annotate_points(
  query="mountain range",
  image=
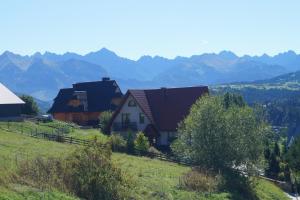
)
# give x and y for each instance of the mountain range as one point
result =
(42, 75)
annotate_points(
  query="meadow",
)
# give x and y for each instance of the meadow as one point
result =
(152, 179)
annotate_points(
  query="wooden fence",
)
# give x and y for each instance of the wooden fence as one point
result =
(62, 138)
(58, 136)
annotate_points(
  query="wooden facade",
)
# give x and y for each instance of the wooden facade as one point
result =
(84, 102)
(80, 118)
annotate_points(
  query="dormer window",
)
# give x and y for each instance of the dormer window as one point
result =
(131, 103)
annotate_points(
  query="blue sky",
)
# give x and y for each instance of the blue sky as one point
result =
(133, 28)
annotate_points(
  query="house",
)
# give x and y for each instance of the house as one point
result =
(10, 104)
(84, 102)
(155, 112)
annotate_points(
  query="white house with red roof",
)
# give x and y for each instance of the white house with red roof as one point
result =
(155, 112)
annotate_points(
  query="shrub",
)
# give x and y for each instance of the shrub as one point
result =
(130, 142)
(141, 142)
(104, 120)
(30, 107)
(43, 172)
(88, 173)
(200, 180)
(236, 183)
(117, 142)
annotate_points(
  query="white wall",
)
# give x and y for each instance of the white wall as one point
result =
(134, 115)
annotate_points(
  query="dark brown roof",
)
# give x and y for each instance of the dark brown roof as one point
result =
(166, 107)
(99, 97)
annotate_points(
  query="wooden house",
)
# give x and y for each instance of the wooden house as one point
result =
(84, 102)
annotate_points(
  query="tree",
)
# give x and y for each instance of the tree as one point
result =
(104, 120)
(233, 99)
(277, 150)
(30, 107)
(217, 136)
(293, 155)
(274, 166)
(130, 142)
(141, 142)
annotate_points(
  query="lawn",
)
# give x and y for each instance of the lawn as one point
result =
(153, 179)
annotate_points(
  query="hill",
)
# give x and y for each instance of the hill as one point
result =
(279, 95)
(279, 87)
(42, 75)
(154, 179)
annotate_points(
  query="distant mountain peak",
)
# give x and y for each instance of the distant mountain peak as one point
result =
(289, 53)
(228, 54)
(105, 51)
(8, 53)
(145, 58)
(37, 55)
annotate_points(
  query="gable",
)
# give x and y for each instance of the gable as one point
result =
(134, 111)
(8, 97)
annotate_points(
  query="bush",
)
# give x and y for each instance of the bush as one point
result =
(141, 142)
(44, 173)
(130, 142)
(30, 107)
(200, 180)
(117, 142)
(104, 120)
(88, 173)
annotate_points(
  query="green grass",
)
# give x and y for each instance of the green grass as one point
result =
(54, 127)
(153, 179)
(14, 148)
(268, 191)
(19, 192)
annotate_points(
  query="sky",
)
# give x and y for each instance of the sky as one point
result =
(133, 28)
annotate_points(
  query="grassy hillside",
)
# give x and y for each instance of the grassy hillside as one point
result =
(153, 179)
(54, 127)
(16, 147)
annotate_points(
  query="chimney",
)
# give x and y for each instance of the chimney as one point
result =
(105, 79)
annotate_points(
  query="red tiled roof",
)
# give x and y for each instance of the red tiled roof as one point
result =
(166, 107)
(169, 106)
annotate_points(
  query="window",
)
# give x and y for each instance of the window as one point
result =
(125, 118)
(131, 103)
(142, 118)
